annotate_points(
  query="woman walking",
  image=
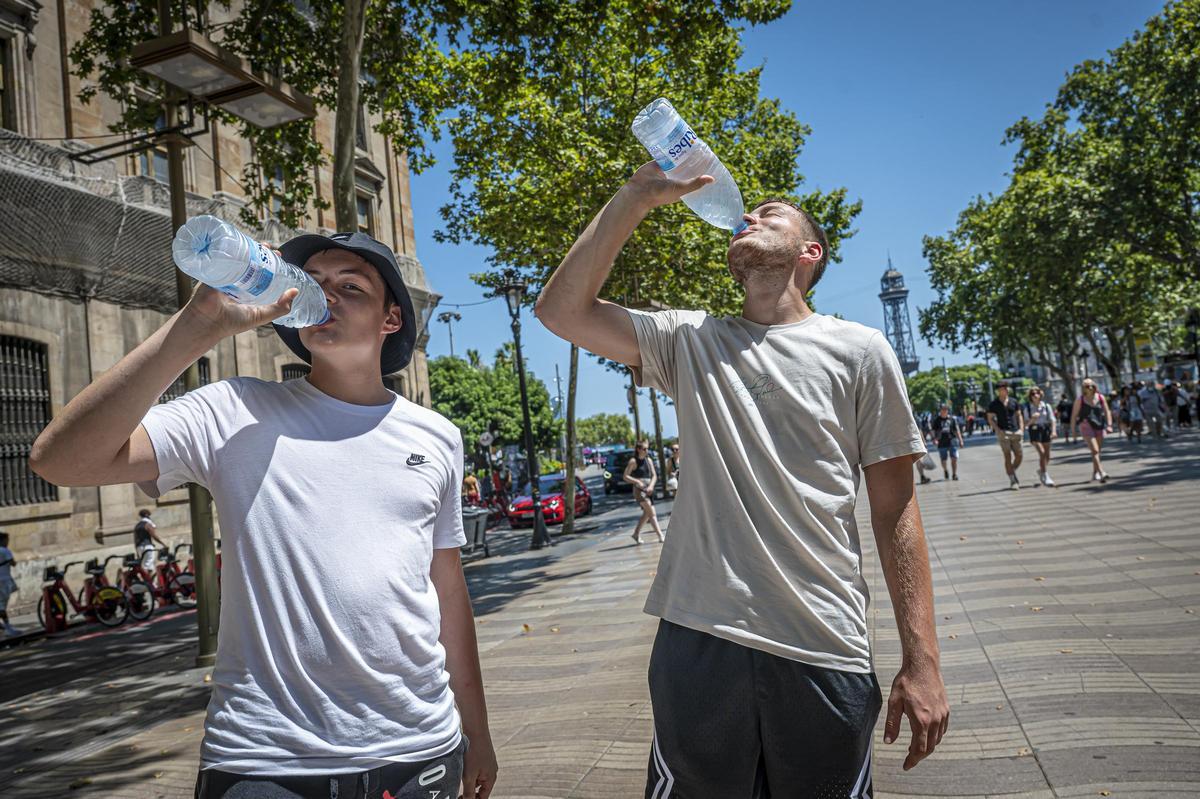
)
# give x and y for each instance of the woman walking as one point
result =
(1040, 421)
(1131, 409)
(639, 473)
(1092, 418)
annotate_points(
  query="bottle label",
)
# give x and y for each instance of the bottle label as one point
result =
(255, 280)
(675, 147)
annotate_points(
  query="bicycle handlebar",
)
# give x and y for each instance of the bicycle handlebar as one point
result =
(67, 568)
(181, 546)
(110, 557)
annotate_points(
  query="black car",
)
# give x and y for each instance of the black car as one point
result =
(614, 471)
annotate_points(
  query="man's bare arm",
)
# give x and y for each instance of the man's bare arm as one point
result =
(570, 304)
(462, 664)
(917, 691)
(97, 439)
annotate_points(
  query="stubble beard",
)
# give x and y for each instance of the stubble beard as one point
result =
(757, 258)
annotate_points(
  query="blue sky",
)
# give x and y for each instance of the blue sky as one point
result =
(908, 103)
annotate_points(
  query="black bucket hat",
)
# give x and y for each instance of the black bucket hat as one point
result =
(397, 347)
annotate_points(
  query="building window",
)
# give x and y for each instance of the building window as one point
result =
(24, 413)
(366, 216)
(360, 130)
(177, 388)
(292, 371)
(7, 114)
(275, 181)
(153, 163)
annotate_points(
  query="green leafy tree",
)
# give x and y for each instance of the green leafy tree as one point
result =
(605, 428)
(542, 140)
(382, 55)
(488, 399)
(927, 390)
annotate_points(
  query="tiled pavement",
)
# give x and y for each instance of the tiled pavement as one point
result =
(1067, 620)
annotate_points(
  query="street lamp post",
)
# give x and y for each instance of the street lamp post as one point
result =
(450, 317)
(514, 292)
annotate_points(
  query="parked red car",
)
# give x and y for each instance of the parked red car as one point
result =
(551, 486)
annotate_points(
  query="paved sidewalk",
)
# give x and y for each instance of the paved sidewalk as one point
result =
(1067, 619)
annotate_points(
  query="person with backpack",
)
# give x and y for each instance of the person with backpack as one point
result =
(145, 536)
(1092, 417)
(949, 436)
(1040, 422)
(1064, 416)
(1004, 416)
(347, 663)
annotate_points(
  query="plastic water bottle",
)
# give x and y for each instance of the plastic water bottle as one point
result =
(219, 255)
(684, 156)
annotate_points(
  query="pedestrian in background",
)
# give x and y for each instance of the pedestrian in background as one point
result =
(949, 438)
(1131, 409)
(640, 473)
(1183, 406)
(1004, 416)
(1093, 418)
(1064, 416)
(145, 535)
(1040, 421)
(673, 470)
(1153, 407)
(8, 586)
(1170, 398)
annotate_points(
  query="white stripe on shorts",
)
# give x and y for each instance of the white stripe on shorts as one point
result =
(862, 784)
(665, 780)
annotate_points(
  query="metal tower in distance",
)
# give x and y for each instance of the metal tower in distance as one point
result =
(896, 325)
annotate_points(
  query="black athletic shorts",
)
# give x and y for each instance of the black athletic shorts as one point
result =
(1039, 435)
(440, 777)
(732, 722)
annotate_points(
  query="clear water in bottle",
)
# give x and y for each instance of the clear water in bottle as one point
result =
(684, 156)
(219, 255)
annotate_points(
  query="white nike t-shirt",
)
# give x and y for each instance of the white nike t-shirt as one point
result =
(328, 656)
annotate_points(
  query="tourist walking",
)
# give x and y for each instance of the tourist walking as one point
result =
(1042, 426)
(336, 495)
(1092, 417)
(1153, 408)
(1004, 416)
(1131, 411)
(641, 474)
(1064, 416)
(761, 676)
(145, 536)
(1183, 406)
(8, 586)
(949, 437)
(673, 470)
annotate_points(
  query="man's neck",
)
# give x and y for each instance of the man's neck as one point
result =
(354, 383)
(775, 299)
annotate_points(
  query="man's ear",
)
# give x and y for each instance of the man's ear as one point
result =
(394, 319)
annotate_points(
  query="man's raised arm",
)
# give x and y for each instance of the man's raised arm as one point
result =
(569, 305)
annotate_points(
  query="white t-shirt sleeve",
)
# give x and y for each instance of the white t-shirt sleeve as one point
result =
(448, 526)
(184, 433)
(886, 427)
(656, 334)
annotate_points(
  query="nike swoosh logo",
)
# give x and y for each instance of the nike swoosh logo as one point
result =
(417, 460)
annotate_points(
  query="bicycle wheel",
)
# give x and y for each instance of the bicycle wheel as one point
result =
(109, 606)
(59, 611)
(182, 588)
(139, 596)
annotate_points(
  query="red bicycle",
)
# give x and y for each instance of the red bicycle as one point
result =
(106, 604)
(173, 583)
(139, 593)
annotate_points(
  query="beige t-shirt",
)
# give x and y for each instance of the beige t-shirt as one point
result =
(778, 421)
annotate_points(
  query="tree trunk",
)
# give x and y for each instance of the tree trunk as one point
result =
(1113, 367)
(569, 456)
(345, 206)
(658, 447)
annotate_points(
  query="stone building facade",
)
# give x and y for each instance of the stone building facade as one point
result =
(86, 275)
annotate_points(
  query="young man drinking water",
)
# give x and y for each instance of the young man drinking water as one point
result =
(346, 635)
(761, 676)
